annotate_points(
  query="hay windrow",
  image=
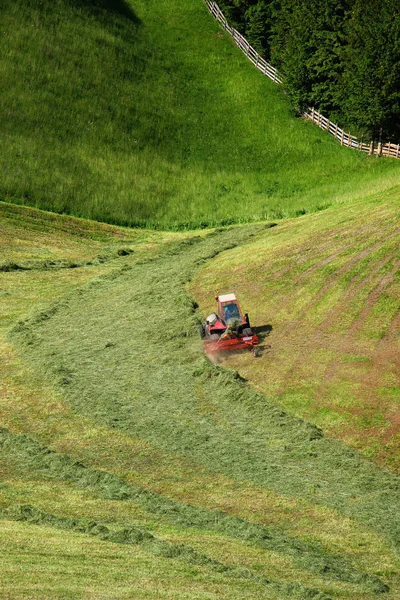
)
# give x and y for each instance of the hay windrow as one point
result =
(51, 465)
(153, 373)
(154, 545)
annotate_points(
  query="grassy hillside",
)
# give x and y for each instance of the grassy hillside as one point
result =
(325, 289)
(143, 112)
(134, 467)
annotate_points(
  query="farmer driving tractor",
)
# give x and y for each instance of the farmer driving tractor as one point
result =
(231, 330)
(231, 313)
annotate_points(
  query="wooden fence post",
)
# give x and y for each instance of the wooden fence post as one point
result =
(371, 148)
(380, 143)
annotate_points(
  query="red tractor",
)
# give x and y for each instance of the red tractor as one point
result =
(228, 328)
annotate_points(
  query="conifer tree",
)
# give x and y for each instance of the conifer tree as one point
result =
(341, 56)
(371, 84)
(308, 38)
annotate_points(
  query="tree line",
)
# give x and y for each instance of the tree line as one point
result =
(341, 56)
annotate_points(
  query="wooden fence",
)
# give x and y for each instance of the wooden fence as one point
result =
(392, 150)
(243, 44)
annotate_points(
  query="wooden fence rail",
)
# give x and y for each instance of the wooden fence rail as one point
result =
(243, 44)
(392, 150)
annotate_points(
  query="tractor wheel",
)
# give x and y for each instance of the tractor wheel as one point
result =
(202, 332)
(255, 351)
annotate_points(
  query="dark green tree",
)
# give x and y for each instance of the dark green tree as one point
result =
(252, 19)
(234, 11)
(258, 26)
(308, 38)
(371, 83)
(341, 56)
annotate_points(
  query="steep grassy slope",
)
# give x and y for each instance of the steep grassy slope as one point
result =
(143, 112)
(133, 466)
(325, 289)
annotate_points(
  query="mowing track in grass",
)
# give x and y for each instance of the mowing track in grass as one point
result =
(124, 351)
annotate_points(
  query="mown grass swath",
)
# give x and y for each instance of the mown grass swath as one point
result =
(145, 114)
(77, 354)
(311, 557)
(138, 328)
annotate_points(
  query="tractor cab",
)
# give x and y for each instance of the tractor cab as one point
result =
(229, 310)
(228, 315)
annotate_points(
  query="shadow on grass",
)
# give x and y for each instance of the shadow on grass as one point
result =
(263, 331)
(116, 7)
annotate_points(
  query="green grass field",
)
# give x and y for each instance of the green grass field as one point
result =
(145, 113)
(133, 467)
